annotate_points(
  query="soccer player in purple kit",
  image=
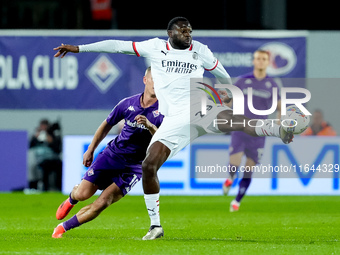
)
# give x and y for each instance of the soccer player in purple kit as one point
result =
(242, 143)
(119, 166)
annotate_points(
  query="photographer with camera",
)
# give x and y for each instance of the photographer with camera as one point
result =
(45, 172)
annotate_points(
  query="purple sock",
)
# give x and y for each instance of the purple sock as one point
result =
(244, 184)
(232, 170)
(71, 223)
(73, 201)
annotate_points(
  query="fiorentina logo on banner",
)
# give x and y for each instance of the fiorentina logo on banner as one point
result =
(103, 73)
(282, 58)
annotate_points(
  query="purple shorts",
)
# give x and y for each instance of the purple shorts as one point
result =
(252, 146)
(110, 168)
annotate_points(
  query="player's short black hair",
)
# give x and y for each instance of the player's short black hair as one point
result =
(175, 20)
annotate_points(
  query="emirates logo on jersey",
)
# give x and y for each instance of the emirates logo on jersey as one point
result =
(103, 73)
(175, 66)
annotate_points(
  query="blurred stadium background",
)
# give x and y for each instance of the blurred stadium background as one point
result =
(79, 91)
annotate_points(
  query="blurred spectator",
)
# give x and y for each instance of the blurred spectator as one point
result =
(103, 16)
(319, 126)
(45, 172)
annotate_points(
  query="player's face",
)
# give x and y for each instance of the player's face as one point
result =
(180, 35)
(149, 84)
(261, 60)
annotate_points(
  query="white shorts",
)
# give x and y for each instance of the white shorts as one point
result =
(178, 131)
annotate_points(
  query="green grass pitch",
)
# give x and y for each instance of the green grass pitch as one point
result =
(192, 225)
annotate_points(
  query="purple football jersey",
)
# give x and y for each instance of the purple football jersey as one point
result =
(132, 142)
(262, 93)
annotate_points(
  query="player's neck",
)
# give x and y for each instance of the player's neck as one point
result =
(175, 46)
(260, 74)
(147, 100)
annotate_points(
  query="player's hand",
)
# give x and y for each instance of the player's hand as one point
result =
(141, 119)
(224, 96)
(64, 48)
(87, 158)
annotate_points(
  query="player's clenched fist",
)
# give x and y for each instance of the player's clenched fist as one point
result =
(87, 158)
(64, 48)
(141, 119)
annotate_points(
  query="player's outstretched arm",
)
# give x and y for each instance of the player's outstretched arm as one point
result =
(141, 119)
(100, 134)
(106, 46)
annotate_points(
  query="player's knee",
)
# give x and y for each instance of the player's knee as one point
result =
(81, 195)
(149, 169)
(75, 188)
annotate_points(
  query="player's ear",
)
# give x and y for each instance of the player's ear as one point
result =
(169, 32)
(144, 80)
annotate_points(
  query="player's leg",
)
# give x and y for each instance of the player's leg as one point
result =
(81, 192)
(109, 196)
(227, 122)
(234, 163)
(92, 180)
(156, 156)
(237, 146)
(253, 152)
(243, 185)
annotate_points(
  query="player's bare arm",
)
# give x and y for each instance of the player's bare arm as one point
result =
(64, 48)
(141, 119)
(100, 134)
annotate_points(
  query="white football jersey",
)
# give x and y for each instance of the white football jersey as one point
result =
(172, 69)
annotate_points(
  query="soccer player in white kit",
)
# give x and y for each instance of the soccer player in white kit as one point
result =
(174, 62)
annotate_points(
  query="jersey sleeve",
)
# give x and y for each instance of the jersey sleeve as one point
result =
(210, 62)
(145, 48)
(108, 46)
(159, 120)
(117, 114)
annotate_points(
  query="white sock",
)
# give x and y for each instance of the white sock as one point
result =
(267, 128)
(152, 204)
